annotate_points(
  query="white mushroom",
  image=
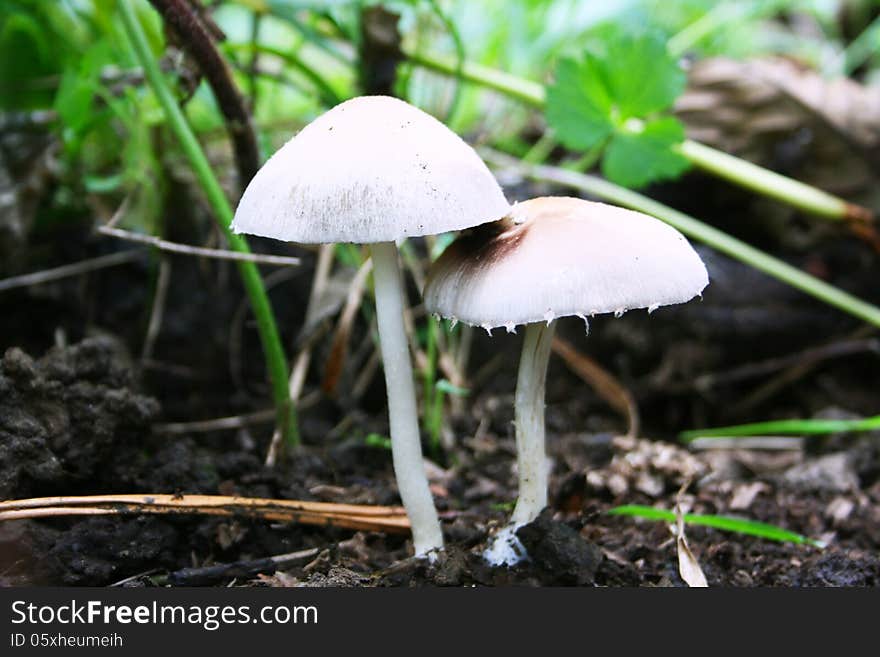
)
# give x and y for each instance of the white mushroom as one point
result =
(374, 170)
(555, 257)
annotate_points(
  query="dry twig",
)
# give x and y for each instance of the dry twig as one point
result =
(231, 422)
(207, 575)
(196, 36)
(67, 271)
(185, 249)
(348, 516)
(157, 311)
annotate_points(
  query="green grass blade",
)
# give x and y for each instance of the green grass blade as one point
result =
(784, 428)
(460, 55)
(329, 95)
(724, 523)
(273, 351)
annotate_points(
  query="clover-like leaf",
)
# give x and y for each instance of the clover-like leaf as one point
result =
(636, 158)
(642, 77)
(578, 104)
(613, 94)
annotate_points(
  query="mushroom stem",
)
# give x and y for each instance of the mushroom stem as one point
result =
(529, 418)
(406, 447)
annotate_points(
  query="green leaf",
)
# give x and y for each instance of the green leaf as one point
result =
(626, 76)
(578, 104)
(77, 91)
(32, 59)
(724, 523)
(636, 158)
(642, 77)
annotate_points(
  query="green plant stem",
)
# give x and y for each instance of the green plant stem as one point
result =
(254, 62)
(430, 371)
(435, 423)
(700, 231)
(586, 161)
(526, 91)
(276, 361)
(432, 396)
(180, 17)
(766, 182)
(460, 56)
(316, 37)
(329, 96)
(541, 149)
(784, 427)
(713, 19)
(738, 171)
(862, 48)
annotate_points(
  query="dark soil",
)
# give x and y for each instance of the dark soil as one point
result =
(81, 413)
(74, 422)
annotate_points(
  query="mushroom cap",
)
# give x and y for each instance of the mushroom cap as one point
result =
(558, 256)
(372, 169)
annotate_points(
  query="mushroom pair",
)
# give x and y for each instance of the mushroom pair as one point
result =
(554, 257)
(374, 170)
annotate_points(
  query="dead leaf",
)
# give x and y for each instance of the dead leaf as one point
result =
(839, 510)
(688, 566)
(339, 349)
(645, 465)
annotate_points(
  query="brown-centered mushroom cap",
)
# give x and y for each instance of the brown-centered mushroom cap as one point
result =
(558, 256)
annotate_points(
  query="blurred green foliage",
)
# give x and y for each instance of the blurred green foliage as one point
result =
(69, 56)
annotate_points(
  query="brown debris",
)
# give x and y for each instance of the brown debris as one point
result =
(646, 466)
(748, 107)
(783, 116)
(833, 472)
